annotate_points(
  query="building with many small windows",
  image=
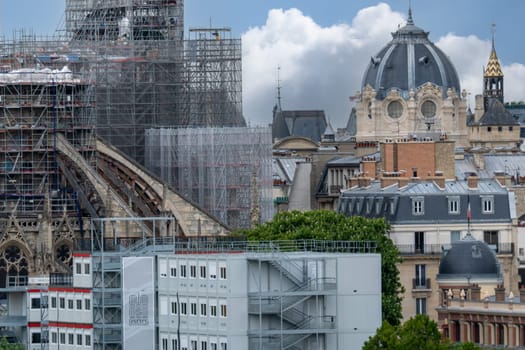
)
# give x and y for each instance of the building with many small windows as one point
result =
(426, 217)
(283, 300)
(172, 294)
(51, 312)
(216, 295)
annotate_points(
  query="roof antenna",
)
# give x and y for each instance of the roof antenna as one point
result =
(410, 20)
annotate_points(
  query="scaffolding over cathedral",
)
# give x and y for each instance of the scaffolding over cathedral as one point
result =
(148, 75)
(225, 170)
(117, 68)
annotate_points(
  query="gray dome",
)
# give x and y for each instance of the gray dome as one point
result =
(469, 257)
(409, 61)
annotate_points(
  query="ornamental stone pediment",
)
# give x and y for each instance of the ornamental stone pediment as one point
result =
(393, 95)
(429, 89)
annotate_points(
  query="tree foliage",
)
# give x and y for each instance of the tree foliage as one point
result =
(5, 345)
(420, 333)
(328, 225)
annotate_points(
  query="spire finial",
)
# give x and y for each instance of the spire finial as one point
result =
(279, 87)
(410, 19)
(493, 30)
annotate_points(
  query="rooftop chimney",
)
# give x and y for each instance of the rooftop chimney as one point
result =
(475, 293)
(439, 179)
(472, 181)
(363, 181)
(500, 293)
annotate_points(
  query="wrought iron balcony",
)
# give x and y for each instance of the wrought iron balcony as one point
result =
(418, 283)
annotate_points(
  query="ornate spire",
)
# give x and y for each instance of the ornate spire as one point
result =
(410, 20)
(493, 67)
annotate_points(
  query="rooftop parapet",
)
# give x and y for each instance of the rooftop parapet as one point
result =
(227, 245)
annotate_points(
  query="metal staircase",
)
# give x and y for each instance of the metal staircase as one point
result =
(286, 308)
(291, 270)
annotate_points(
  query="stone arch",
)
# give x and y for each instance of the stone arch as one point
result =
(15, 261)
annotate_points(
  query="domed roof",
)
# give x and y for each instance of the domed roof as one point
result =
(409, 61)
(469, 258)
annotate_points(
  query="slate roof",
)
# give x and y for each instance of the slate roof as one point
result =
(509, 163)
(284, 168)
(497, 114)
(305, 123)
(409, 61)
(469, 257)
(395, 203)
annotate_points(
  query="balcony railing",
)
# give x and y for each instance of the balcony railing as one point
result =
(412, 249)
(418, 283)
(408, 249)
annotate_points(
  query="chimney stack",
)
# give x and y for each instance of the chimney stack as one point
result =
(475, 293)
(472, 181)
(363, 181)
(500, 293)
(479, 109)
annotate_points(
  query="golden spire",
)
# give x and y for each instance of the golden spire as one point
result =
(493, 67)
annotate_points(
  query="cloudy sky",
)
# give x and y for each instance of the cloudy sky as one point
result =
(323, 47)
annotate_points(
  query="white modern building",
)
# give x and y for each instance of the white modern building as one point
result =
(205, 294)
(51, 312)
(216, 295)
(267, 300)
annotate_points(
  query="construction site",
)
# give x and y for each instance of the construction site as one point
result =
(226, 170)
(120, 126)
(75, 110)
(148, 75)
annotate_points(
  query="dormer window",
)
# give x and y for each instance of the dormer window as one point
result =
(487, 204)
(418, 206)
(453, 205)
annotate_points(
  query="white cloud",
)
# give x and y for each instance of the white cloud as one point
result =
(322, 66)
(470, 55)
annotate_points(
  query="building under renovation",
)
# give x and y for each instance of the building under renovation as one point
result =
(119, 67)
(148, 75)
(225, 170)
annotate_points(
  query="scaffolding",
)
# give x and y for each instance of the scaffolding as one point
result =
(148, 75)
(121, 66)
(213, 76)
(227, 171)
(42, 94)
(108, 250)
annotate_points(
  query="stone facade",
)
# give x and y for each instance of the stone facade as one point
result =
(374, 122)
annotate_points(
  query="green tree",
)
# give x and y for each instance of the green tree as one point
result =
(462, 346)
(386, 337)
(329, 225)
(418, 333)
(5, 345)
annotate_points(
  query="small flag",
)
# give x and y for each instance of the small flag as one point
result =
(469, 214)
